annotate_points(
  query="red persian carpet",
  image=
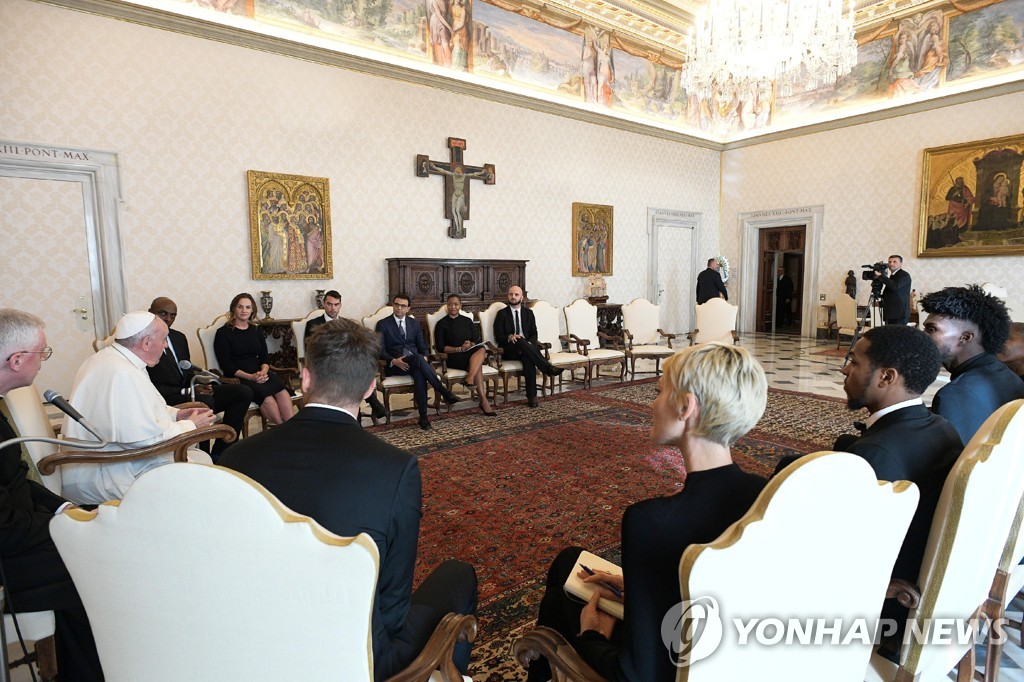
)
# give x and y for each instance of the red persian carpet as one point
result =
(507, 494)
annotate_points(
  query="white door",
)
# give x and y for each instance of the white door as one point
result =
(672, 267)
(46, 269)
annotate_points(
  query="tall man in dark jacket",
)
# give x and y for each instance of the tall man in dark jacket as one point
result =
(710, 284)
(969, 327)
(890, 367)
(35, 576)
(173, 381)
(322, 464)
(515, 330)
(896, 295)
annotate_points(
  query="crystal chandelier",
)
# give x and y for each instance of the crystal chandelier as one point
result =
(737, 42)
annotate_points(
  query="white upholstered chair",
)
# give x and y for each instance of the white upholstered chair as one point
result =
(200, 574)
(779, 561)
(846, 316)
(641, 326)
(969, 535)
(549, 337)
(393, 384)
(100, 344)
(716, 323)
(506, 368)
(581, 327)
(299, 332)
(449, 375)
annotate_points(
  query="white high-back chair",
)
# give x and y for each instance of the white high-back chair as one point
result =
(506, 368)
(779, 561)
(581, 326)
(299, 332)
(846, 316)
(716, 323)
(275, 583)
(641, 325)
(970, 530)
(548, 333)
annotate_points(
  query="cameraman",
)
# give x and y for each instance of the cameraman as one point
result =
(896, 295)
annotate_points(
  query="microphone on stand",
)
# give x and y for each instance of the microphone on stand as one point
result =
(207, 377)
(58, 401)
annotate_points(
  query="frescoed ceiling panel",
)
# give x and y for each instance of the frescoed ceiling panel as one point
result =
(621, 59)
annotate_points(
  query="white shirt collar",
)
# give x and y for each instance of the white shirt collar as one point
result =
(131, 357)
(892, 408)
(333, 407)
(328, 318)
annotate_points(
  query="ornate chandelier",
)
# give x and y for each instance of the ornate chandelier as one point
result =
(736, 42)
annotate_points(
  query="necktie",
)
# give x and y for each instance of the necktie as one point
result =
(519, 330)
(170, 351)
(401, 330)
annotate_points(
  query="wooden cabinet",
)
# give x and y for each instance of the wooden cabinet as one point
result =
(429, 281)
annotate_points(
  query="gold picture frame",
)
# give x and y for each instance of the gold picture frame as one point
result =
(593, 232)
(971, 200)
(289, 226)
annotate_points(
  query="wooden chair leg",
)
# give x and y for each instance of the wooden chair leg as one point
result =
(965, 669)
(46, 659)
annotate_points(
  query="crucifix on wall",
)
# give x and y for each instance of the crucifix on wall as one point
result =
(456, 183)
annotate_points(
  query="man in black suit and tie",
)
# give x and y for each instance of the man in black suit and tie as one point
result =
(783, 298)
(896, 295)
(35, 576)
(332, 310)
(969, 327)
(889, 368)
(172, 380)
(322, 464)
(405, 350)
(710, 284)
(515, 330)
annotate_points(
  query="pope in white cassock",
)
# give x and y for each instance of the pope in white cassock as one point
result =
(113, 392)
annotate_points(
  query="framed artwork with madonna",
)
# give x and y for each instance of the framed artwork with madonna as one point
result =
(289, 226)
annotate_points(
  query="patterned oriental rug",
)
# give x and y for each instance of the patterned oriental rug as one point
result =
(508, 494)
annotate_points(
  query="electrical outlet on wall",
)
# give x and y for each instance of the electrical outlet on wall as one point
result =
(821, 297)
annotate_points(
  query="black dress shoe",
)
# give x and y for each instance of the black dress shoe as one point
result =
(553, 371)
(449, 397)
(492, 413)
(532, 402)
(425, 424)
(376, 407)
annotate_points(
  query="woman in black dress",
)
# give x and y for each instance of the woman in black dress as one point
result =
(455, 335)
(242, 353)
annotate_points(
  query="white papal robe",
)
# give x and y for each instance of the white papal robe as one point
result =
(113, 392)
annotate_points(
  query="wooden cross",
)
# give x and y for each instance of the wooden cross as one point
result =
(456, 183)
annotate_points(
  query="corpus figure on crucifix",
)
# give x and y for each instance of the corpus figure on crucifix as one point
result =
(456, 183)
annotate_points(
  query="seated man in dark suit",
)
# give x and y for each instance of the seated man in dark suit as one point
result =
(515, 330)
(35, 576)
(332, 310)
(405, 350)
(1012, 354)
(322, 464)
(889, 369)
(969, 327)
(172, 379)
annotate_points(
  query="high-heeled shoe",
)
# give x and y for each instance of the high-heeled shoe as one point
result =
(492, 413)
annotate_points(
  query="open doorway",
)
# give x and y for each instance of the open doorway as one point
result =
(780, 279)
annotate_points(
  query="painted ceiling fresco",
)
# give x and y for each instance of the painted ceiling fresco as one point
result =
(623, 64)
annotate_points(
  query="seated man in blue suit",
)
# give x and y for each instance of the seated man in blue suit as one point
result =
(405, 350)
(969, 327)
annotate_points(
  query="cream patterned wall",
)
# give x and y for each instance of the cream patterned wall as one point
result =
(868, 179)
(189, 116)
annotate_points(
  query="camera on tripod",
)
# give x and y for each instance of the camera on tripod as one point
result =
(873, 274)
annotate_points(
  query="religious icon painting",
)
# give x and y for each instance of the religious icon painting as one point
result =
(972, 199)
(289, 226)
(592, 232)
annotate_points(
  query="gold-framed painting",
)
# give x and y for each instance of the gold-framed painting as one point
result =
(289, 226)
(971, 199)
(593, 231)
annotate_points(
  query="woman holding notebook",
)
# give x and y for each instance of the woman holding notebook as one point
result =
(708, 397)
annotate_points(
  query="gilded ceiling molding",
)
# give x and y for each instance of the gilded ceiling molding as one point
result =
(972, 6)
(865, 39)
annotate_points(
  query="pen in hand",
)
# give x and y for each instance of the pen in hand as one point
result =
(611, 588)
